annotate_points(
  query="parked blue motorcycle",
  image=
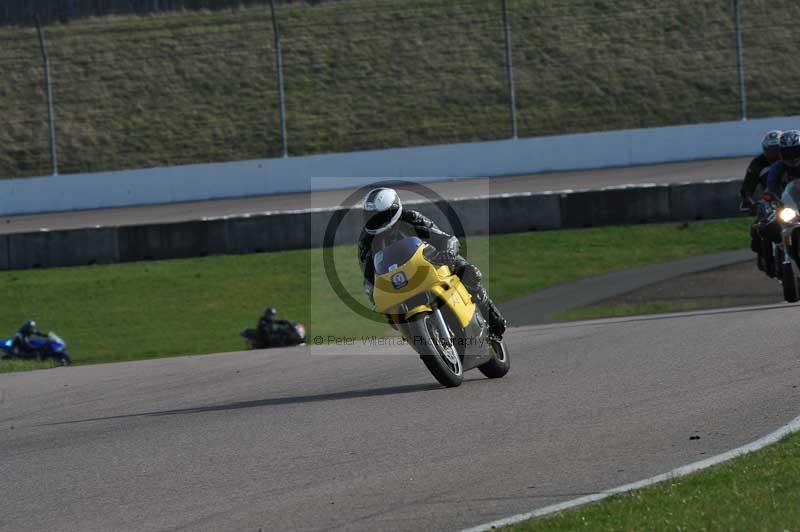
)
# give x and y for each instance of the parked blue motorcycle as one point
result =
(44, 348)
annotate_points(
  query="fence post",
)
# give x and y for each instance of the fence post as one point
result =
(512, 101)
(279, 66)
(48, 87)
(737, 10)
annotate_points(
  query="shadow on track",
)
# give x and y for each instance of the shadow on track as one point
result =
(277, 401)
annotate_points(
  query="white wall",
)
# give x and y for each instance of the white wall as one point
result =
(269, 176)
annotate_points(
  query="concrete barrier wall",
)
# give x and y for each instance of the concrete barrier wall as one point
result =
(4, 252)
(428, 163)
(62, 248)
(623, 205)
(306, 229)
(693, 201)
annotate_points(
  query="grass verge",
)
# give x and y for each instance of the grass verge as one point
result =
(7, 366)
(193, 306)
(759, 491)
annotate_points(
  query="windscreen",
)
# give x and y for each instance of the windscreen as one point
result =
(396, 255)
(791, 195)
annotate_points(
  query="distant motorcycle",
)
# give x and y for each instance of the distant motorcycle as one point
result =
(52, 347)
(789, 216)
(285, 334)
(765, 239)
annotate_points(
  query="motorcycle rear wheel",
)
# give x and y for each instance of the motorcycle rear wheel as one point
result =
(442, 361)
(768, 257)
(500, 363)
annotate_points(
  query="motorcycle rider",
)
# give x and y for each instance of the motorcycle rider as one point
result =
(757, 170)
(788, 168)
(21, 342)
(781, 173)
(385, 222)
(266, 326)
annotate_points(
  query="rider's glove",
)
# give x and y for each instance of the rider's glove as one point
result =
(441, 257)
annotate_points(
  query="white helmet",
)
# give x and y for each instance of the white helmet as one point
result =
(382, 209)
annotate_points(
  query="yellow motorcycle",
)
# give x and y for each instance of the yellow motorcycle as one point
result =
(435, 313)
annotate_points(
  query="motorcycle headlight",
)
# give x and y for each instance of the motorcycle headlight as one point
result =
(788, 214)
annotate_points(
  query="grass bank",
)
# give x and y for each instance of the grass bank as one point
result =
(193, 87)
(759, 491)
(155, 309)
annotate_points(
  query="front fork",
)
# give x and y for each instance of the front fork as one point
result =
(438, 319)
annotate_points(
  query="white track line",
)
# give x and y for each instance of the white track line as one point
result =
(793, 426)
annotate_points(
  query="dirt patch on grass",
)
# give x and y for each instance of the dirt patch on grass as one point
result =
(731, 286)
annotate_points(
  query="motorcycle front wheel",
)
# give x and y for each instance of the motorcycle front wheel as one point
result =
(443, 361)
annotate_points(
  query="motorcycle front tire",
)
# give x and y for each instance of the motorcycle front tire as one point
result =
(419, 336)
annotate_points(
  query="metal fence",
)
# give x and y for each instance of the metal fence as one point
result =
(191, 87)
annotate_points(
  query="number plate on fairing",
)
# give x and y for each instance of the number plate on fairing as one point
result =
(399, 280)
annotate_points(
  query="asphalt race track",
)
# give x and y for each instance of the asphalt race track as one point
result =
(345, 438)
(660, 174)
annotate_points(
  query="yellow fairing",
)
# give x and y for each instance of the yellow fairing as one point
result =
(422, 276)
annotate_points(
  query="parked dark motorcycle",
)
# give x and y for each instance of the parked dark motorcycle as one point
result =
(285, 333)
(50, 348)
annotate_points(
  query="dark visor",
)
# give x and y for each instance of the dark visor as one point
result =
(375, 220)
(791, 155)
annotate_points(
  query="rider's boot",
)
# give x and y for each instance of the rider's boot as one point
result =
(496, 321)
(471, 277)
